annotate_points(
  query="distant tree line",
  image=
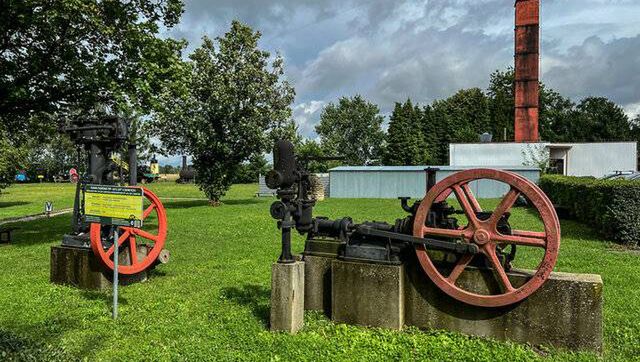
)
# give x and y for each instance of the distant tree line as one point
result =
(420, 135)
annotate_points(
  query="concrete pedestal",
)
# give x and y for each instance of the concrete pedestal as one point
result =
(367, 294)
(317, 284)
(79, 267)
(565, 312)
(287, 297)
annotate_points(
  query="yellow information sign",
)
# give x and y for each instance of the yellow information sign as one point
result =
(113, 205)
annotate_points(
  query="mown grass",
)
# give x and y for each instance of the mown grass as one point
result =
(211, 302)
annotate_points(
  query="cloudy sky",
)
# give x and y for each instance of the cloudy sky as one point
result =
(391, 50)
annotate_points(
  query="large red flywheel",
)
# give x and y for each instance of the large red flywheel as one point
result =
(486, 234)
(132, 239)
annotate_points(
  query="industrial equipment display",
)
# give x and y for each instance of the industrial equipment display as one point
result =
(443, 246)
(99, 138)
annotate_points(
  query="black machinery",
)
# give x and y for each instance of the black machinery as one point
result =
(432, 225)
(98, 138)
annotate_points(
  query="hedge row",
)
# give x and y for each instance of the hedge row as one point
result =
(609, 206)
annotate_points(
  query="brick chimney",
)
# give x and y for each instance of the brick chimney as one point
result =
(527, 55)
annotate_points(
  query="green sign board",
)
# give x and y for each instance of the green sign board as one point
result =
(113, 205)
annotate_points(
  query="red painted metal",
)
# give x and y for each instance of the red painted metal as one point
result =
(484, 233)
(527, 69)
(130, 237)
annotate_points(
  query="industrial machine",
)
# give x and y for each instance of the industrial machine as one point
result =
(99, 138)
(446, 238)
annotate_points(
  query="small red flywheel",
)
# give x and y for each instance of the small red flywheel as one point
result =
(102, 242)
(484, 232)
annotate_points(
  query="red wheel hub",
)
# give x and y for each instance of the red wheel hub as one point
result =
(485, 234)
(103, 246)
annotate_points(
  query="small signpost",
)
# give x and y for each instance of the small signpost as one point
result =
(114, 206)
(48, 208)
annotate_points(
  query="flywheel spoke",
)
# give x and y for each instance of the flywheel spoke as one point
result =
(524, 238)
(505, 205)
(145, 234)
(133, 250)
(446, 233)
(472, 199)
(466, 206)
(121, 240)
(459, 268)
(148, 211)
(502, 275)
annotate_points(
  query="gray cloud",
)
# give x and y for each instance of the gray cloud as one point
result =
(597, 68)
(427, 49)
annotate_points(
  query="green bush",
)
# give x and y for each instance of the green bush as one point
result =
(610, 206)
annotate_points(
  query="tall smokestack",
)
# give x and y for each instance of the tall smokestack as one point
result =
(527, 55)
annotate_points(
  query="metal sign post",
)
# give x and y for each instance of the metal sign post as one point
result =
(115, 272)
(114, 206)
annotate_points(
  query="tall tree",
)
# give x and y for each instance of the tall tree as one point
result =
(436, 124)
(353, 129)
(226, 110)
(406, 140)
(501, 102)
(557, 116)
(61, 55)
(460, 118)
(598, 119)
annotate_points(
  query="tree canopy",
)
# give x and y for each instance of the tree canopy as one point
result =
(352, 128)
(224, 112)
(406, 142)
(72, 55)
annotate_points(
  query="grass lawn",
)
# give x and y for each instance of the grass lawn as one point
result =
(211, 302)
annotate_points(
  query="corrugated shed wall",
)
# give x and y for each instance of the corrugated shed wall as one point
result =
(393, 182)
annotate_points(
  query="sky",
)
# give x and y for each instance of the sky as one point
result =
(391, 50)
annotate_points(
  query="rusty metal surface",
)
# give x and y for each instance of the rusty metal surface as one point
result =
(484, 233)
(527, 60)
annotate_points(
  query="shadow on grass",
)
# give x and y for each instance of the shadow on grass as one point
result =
(41, 342)
(184, 204)
(42, 231)
(13, 203)
(255, 297)
(252, 201)
(14, 347)
(103, 296)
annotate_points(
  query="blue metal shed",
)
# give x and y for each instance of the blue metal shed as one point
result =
(382, 182)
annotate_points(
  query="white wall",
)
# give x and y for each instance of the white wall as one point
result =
(582, 159)
(491, 154)
(599, 159)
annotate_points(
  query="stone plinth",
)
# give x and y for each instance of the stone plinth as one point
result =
(317, 284)
(287, 297)
(565, 312)
(367, 294)
(79, 267)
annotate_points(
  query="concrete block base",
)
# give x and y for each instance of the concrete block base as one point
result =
(317, 283)
(287, 297)
(565, 312)
(79, 267)
(367, 294)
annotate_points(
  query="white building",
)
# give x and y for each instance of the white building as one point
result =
(571, 159)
